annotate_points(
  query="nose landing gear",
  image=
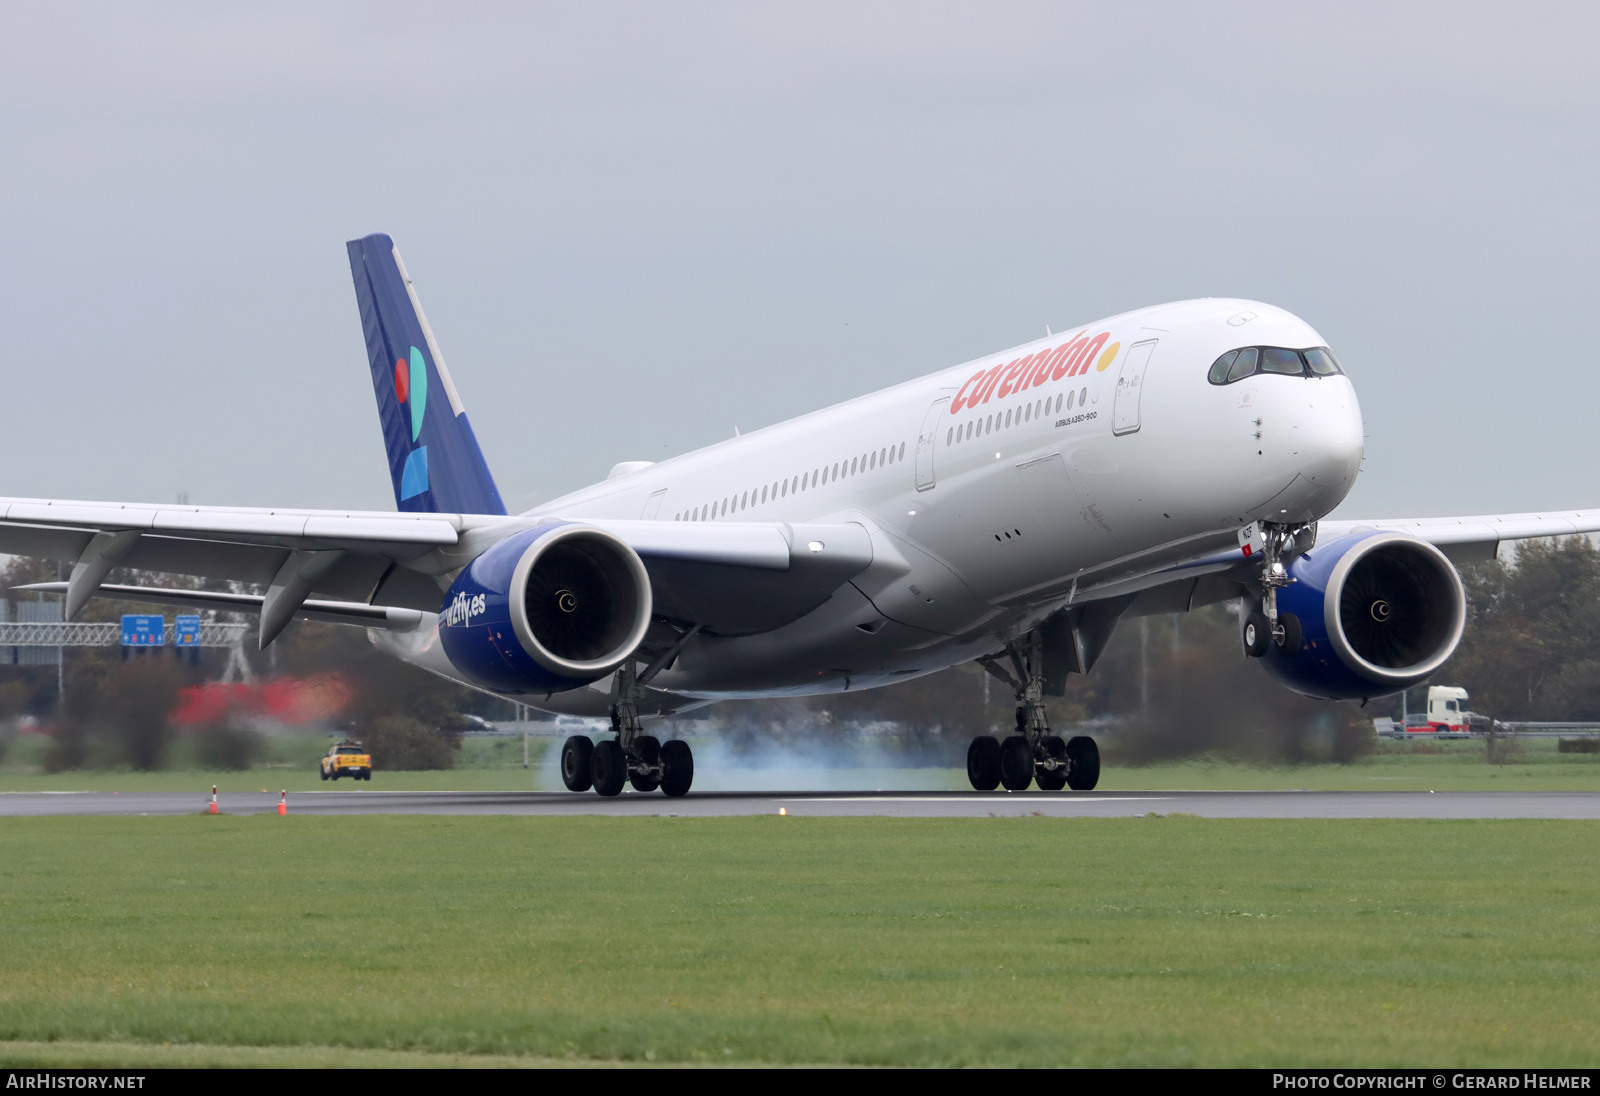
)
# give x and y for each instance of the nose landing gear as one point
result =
(1034, 754)
(1265, 626)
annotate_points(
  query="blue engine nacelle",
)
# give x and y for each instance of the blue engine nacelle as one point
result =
(1378, 612)
(549, 609)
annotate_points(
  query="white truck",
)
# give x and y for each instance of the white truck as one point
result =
(1446, 717)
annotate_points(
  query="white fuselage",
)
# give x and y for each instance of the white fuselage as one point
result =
(992, 505)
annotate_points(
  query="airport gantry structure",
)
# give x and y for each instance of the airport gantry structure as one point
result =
(57, 633)
(50, 636)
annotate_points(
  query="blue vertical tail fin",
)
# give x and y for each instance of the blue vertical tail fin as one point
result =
(434, 457)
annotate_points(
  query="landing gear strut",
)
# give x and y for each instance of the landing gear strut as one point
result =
(632, 757)
(1265, 626)
(1034, 754)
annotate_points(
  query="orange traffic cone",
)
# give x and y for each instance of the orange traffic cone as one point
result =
(213, 808)
(283, 802)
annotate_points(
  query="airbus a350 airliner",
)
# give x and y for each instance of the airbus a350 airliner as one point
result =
(1011, 510)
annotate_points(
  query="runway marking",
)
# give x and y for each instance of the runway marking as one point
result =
(968, 799)
(84, 792)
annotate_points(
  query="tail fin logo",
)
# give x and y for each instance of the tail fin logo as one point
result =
(411, 388)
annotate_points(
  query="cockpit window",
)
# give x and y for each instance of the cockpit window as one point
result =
(1220, 367)
(1238, 364)
(1245, 365)
(1322, 363)
(1275, 359)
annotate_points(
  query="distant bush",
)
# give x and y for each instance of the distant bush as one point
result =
(117, 714)
(227, 746)
(398, 742)
(68, 749)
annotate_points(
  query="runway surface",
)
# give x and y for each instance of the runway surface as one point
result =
(1558, 805)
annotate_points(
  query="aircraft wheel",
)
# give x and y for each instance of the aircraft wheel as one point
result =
(1293, 638)
(677, 767)
(608, 767)
(1083, 764)
(577, 763)
(1016, 763)
(324, 773)
(648, 750)
(1053, 780)
(1257, 634)
(983, 763)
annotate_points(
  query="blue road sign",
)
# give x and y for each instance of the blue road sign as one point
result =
(186, 630)
(140, 630)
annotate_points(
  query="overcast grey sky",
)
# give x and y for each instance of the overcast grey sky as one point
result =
(636, 226)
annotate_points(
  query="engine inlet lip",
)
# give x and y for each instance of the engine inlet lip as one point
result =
(623, 552)
(1400, 675)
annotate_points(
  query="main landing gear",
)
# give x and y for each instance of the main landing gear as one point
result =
(632, 757)
(1264, 626)
(1033, 755)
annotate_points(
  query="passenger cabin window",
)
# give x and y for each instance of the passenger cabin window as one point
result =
(1247, 361)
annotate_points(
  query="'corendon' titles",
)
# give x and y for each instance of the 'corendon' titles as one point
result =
(1070, 359)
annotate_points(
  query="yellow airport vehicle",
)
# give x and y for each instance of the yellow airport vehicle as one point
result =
(347, 759)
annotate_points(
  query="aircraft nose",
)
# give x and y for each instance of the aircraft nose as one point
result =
(1329, 441)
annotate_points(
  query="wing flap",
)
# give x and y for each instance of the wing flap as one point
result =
(332, 612)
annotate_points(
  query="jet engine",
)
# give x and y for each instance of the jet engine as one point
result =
(1375, 612)
(546, 610)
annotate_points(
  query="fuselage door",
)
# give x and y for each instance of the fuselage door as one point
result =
(1130, 386)
(926, 440)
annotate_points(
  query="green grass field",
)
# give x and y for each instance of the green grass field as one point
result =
(373, 940)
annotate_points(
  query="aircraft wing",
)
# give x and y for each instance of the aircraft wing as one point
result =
(1467, 539)
(1225, 575)
(382, 569)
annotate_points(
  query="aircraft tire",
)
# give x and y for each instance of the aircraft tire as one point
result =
(577, 765)
(983, 763)
(1257, 634)
(609, 767)
(1293, 638)
(677, 767)
(1052, 780)
(1016, 763)
(1083, 764)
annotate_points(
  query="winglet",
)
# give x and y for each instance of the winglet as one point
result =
(434, 459)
